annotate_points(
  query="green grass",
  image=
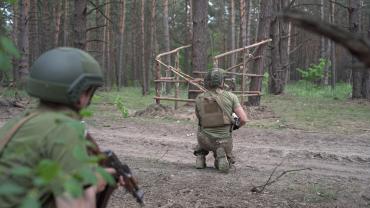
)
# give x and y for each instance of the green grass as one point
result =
(304, 106)
(342, 91)
(133, 99)
(319, 109)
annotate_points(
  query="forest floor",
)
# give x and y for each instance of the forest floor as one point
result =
(329, 168)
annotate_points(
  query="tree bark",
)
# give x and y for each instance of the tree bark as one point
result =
(166, 37)
(264, 24)
(121, 68)
(142, 39)
(79, 24)
(353, 20)
(23, 41)
(232, 32)
(199, 40)
(189, 34)
(58, 16)
(333, 48)
(323, 48)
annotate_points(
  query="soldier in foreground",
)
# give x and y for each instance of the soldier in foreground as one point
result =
(219, 113)
(49, 142)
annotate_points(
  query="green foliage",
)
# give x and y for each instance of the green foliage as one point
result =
(315, 108)
(306, 89)
(118, 102)
(315, 72)
(7, 52)
(48, 176)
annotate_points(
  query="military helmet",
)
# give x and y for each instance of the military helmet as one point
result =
(214, 78)
(61, 75)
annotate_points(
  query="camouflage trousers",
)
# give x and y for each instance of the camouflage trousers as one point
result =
(206, 145)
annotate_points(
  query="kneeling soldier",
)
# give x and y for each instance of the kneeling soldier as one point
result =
(219, 112)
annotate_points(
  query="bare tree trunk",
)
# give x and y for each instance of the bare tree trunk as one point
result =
(121, 69)
(58, 16)
(106, 48)
(200, 33)
(333, 47)
(189, 34)
(23, 41)
(66, 23)
(353, 19)
(323, 51)
(166, 37)
(365, 91)
(79, 24)
(143, 69)
(249, 21)
(151, 43)
(34, 35)
(262, 34)
(232, 32)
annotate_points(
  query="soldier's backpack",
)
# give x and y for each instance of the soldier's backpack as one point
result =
(212, 113)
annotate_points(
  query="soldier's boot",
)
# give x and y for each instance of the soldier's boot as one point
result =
(200, 162)
(221, 162)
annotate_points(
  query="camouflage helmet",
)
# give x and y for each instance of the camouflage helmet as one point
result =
(214, 78)
(61, 75)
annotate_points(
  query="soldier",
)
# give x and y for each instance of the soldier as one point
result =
(216, 111)
(64, 80)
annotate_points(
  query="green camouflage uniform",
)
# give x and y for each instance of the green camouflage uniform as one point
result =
(209, 139)
(53, 134)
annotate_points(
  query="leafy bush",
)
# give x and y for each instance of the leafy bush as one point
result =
(315, 72)
(118, 102)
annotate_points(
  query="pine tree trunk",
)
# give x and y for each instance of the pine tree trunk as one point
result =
(142, 40)
(232, 33)
(34, 35)
(200, 33)
(354, 19)
(264, 21)
(23, 41)
(333, 48)
(66, 23)
(166, 36)
(58, 16)
(151, 42)
(79, 24)
(121, 68)
(189, 28)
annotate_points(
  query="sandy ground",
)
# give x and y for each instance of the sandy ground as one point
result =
(336, 167)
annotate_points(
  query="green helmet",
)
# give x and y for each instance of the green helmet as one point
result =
(61, 75)
(214, 78)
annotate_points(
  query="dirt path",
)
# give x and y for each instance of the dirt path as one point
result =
(161, 155)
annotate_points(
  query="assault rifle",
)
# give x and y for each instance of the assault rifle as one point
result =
(111, 161)
(123, 170)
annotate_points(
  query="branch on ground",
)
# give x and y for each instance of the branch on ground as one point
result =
(261, 188)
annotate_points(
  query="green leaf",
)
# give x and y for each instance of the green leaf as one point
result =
(31, 201)
(85, 112)
(88, 176)
(9, 47)
(106, 176)
(21, 171)
(73, 187)
(48, 170)
(10, 189)
(80, 154)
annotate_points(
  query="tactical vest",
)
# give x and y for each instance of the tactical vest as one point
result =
(211, 113)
